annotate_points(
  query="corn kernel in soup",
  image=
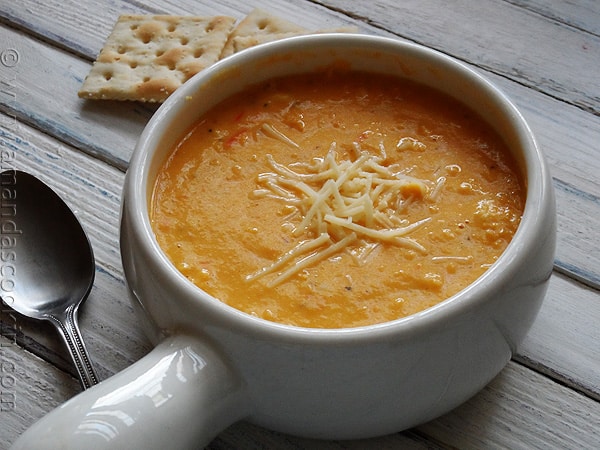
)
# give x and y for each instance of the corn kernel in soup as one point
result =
(337, 199)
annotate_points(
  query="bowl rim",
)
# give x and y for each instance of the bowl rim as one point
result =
(473, 295)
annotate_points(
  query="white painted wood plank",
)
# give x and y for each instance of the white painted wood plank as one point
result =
(29, 388)
(578, 239)
(41, 87)
(521, 410)
(581, 14)
(308, 14)
(500, 37)
(243, 435)
(564, 340)
(66, 23)
(568, 136)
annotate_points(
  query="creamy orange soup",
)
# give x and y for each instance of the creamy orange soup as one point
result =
(336, 199)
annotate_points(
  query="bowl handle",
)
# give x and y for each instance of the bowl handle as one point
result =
(179, 396)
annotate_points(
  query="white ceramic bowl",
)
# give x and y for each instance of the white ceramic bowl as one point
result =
(214, 365)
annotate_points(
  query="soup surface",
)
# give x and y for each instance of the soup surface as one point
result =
(336, 199)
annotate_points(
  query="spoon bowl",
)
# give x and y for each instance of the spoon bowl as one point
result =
(52, 264)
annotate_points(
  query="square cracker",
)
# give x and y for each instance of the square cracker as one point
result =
(146, 58)
(259, 27)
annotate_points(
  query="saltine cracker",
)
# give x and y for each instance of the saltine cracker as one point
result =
(146, 58)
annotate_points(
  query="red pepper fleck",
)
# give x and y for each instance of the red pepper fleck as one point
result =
(234, 138)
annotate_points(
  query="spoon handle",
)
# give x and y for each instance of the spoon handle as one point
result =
(66, 323)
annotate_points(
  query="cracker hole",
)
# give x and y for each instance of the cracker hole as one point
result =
(159, 53)
(171, 28)
(146, 79)
(134, 27)
(108, 76)
(133, 64)
(121, 50)
(146, 39)
(263, 24)
(184, 41)
(198, 52)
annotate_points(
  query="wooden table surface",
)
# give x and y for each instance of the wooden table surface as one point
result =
(545, 54)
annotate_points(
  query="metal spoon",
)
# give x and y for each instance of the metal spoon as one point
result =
(48, 261)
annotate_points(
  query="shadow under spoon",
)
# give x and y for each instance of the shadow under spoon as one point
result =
(52, 263)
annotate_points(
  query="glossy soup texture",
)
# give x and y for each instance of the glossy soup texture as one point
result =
(336, 199)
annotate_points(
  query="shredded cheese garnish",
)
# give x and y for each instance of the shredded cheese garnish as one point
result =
(273, 132)
(337, 204)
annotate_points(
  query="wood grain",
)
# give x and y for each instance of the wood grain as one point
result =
(30, 387)
(562, 342)
(580, 14)
(494, 418)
